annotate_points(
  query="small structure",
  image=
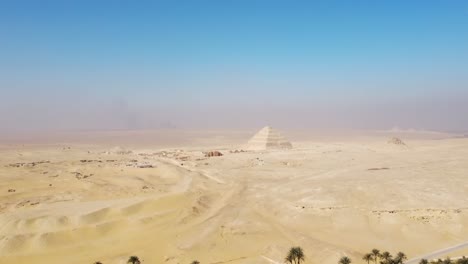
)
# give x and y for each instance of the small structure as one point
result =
(119, 151)
(268, 138)
(213, 154)
(396, 141)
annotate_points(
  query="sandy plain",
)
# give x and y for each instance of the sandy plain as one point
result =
(80, 202)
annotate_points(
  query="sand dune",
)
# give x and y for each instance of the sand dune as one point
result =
(332, 198)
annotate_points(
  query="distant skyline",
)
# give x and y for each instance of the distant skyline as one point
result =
(91, 65)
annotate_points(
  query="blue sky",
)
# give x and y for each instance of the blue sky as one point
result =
(140, 64)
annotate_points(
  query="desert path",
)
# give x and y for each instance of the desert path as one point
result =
(438, 253)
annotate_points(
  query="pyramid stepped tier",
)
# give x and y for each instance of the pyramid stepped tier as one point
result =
(268, 138)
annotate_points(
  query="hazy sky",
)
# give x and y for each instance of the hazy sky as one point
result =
(68, 65)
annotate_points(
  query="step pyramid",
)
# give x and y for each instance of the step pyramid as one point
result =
(268, 138)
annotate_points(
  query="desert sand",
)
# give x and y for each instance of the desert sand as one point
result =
(87, 201)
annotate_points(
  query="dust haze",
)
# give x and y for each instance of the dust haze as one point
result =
(429, 112)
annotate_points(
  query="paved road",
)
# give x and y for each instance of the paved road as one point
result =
(439, 253)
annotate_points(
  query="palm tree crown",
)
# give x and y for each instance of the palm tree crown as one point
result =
(447, 261)
(376, 254)
(134, 260)
(463, 260)
(344, 260)
(386, 255)
(295, 255)
(367, 257)
(195, 262)
(400, 258)
(423, 261)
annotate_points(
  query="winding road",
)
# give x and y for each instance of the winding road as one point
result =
(429, 256)
(438, 253)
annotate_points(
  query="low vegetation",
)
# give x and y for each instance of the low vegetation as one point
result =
(462, 260)
(296, 256)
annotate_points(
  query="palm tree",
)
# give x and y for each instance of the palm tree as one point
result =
(423, 261)
(386, 256)
(367, 257)
(195, 262)
(400, 258)
(134, 260)
(299, 255)
(98, 262)
(447, 261)
(295, 255)
(289, 258)
(376, 254)
(344, 260)
(463, 260)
